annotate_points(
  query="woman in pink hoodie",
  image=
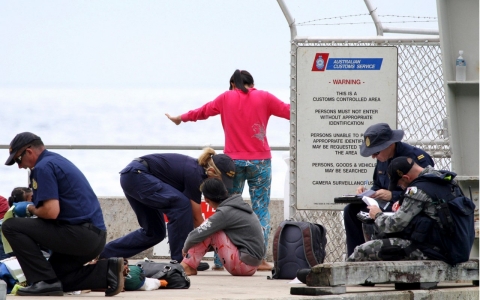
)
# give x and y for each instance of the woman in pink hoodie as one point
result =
(244, 112)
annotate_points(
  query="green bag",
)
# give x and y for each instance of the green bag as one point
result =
(135, 278)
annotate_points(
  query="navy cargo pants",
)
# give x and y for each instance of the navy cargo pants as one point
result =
(151, 198)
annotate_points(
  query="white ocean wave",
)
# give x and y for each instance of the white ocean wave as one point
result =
(118, 117)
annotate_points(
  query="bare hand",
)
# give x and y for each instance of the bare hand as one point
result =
(395, 206)
(177, 120)
(382, 194)
(360, 189)
(374, 210)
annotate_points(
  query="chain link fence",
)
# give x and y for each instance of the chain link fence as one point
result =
(421, 114)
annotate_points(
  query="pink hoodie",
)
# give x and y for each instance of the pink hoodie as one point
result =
(244, 120)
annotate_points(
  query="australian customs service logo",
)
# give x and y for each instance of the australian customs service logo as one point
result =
(320, 63)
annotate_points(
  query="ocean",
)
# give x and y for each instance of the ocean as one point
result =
(75, 116)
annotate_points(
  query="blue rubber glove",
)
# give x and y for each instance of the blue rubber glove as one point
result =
(21, 209)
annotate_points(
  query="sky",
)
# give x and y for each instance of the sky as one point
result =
(172, 44)
(157, 45)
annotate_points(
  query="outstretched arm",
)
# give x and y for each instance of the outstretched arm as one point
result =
(177, 120)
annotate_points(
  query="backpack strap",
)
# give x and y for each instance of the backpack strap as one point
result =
(308, 244)
(276, 239)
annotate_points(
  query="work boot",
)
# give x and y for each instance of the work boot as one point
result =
(115, 279)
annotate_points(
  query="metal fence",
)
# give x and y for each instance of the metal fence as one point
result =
(421, 114)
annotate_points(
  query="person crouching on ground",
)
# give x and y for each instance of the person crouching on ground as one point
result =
(233, 231)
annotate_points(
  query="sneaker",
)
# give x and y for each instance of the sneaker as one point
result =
(203, 266)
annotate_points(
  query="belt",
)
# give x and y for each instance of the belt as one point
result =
(142, 161)
(92, 228)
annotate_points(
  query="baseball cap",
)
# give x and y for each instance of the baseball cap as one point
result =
(397, 168)
(19, 141)
(226, 166)
(378, 137)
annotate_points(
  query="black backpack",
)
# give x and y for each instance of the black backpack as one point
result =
(456, 214)
(173, 273)
(297, 245)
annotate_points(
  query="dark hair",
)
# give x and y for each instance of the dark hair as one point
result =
(214, 189)
(18, 195)
(240, 79)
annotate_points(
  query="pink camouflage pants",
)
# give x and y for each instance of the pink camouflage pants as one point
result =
(227, 251)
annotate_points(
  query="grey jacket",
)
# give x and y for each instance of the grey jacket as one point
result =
(240, 224)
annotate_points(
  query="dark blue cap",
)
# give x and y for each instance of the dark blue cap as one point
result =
(19, 141)
(397, 168)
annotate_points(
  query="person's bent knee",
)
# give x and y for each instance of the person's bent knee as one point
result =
(157, 237)
(9, 226)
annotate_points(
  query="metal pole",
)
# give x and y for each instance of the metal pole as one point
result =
(376, 20)
(368, 39)
(381, 30)
(293, 108)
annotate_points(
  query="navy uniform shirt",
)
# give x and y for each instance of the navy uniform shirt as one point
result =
(180, 171)
(380, 176)
(55, 177)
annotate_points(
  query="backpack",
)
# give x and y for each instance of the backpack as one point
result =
(173, 273)
(297, 245)
(456, 214)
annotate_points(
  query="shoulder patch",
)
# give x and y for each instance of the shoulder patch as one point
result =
(420, 157)
(411, 190)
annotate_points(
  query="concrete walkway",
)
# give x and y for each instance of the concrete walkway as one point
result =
(221, 285)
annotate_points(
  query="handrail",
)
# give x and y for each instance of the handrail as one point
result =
(440, 153)
(142, 147)
(196, 147)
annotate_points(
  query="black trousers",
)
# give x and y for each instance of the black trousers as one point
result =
(71, 247)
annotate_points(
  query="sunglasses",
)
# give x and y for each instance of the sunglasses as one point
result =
(376, 153)
(18, 159)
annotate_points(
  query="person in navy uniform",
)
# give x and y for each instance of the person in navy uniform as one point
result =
(69, 222)
(383, 144)
(167, 183)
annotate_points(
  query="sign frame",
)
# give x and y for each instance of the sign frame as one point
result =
(329, 95)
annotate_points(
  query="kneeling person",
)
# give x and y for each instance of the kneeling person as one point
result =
(69, 223)
(233, 231)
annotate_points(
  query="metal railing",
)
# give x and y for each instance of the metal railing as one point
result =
(141, 147)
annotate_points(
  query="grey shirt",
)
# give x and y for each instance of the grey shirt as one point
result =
(240, 224)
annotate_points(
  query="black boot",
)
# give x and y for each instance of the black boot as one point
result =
(42, 288)
(115, 278)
